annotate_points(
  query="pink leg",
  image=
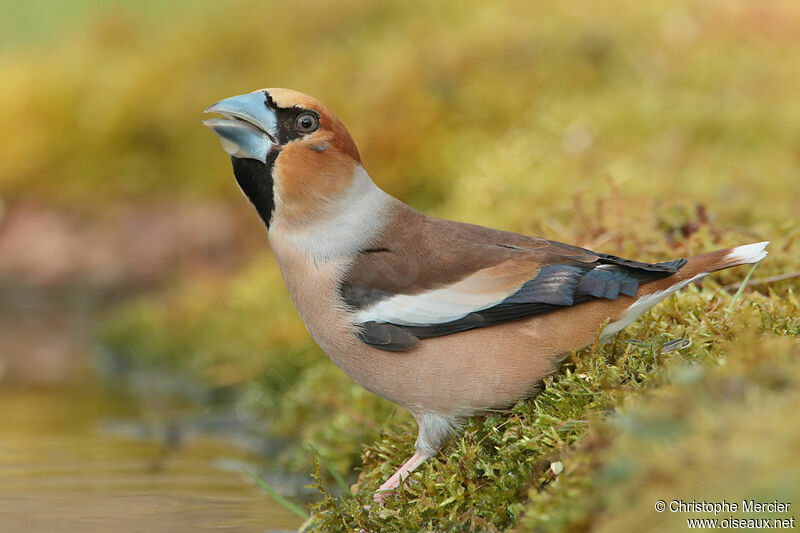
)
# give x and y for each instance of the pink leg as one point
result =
(393, 482)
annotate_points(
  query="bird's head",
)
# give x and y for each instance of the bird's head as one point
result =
(289, 151)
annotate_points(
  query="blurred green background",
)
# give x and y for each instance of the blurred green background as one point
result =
(128, 258)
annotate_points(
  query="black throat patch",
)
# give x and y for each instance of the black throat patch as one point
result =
(255, 180)
(255, 177)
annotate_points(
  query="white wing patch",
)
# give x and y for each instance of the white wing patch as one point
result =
(438, 306)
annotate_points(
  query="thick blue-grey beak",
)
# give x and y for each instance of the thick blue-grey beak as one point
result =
(250, 127)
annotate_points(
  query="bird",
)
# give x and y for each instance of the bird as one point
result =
(444, 318)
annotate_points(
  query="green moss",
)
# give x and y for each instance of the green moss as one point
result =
(710, 433)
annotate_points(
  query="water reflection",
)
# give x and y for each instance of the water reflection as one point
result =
(60, 471)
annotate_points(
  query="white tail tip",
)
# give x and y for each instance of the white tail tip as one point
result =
(749, 253)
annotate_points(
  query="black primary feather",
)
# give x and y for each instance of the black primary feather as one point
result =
(386, 337)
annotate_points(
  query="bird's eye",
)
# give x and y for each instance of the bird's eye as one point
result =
(306, 123)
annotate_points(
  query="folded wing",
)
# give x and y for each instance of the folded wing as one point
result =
(407, 289)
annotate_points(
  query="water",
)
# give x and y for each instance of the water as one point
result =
(62, 470)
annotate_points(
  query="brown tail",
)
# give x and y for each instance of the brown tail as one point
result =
(698, 266)
(722, 259)
(695, 268)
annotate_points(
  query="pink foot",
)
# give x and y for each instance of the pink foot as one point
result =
(388, 487)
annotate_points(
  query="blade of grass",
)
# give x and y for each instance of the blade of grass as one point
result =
(277, 497)
(336, 476)
(742, 286)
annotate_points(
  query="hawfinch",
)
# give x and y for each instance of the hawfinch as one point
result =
(443, 318)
